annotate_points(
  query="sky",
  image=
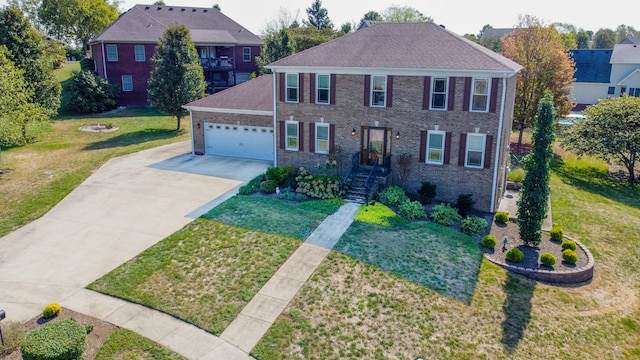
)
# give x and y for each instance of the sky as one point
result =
(461, 17)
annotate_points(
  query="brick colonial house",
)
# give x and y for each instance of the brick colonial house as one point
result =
(386, 92)
(122, 52)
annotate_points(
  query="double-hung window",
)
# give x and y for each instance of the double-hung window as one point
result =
(378, 91)
(435, 147)
(292, 88)
(439, 94)
(474, 157)
(127, 83)
(322, 89)
(291, 134)
(322, 138)
(480, 96)
(112, 52)
(139, 51)
(246, 54)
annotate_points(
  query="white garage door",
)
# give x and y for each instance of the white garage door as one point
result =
(249, 142)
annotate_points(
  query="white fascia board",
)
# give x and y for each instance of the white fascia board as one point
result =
(229, 111)
(626, 78)
(393, 71)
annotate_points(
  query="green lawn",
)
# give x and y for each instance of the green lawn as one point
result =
(125, 344)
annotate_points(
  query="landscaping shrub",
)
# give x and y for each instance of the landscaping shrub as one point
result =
(412, 210)
(569, 244)
(473, 225)
(569, 256)
(276, 174)
(515, 255)
(89, 93)
(502, 217)
(13, 333)
(427, 192)
(290, 180)
(252, 186)
(557, 233)
(289, 194)
(319, 186)
(51, 310)
(516, 175)
(392, 196)
(547, 259)
(57, 340)
(464, 204)
(444, 214)
(86, 64)
(268, 186)
(489, 241)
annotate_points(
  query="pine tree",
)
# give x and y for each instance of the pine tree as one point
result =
(534, 196)
(177, 77)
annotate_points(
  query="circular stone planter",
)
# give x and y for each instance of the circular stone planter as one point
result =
(98, 128)
(580, 273)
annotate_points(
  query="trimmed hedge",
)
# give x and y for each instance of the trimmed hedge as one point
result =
(58, 340)
(412, 210)
(547, 259)
(502, 217)
(444, 214)
(392, 196)
(569, 256)
(569, 244)
(556, 233)
(473, 225)
(489, 241)
(515, 255)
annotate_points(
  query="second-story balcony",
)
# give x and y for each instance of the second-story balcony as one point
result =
(222, 63)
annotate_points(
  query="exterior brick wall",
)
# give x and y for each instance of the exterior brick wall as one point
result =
(201, 117)
(407, 117)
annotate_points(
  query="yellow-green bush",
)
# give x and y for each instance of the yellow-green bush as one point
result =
(57, 340)
(489, 241)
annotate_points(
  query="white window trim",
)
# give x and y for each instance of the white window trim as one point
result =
(287, 87)
(384, 91)
(446, 94)
(442, 149)
(243, 54)
(112, 46)
(135, 52)
(286, 135)
(318, 125)
(466, 151)
(328, 89)
(488, 95)
(130, 82)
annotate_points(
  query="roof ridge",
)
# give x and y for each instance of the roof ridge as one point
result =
(149, 15)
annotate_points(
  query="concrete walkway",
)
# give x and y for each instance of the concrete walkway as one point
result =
(509, 204)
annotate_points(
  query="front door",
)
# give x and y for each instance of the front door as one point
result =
(375, 145)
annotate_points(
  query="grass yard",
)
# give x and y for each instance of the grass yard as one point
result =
(126, 344)
(353, 309)
(208, 271)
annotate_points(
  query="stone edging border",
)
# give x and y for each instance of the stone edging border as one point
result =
(564, 276)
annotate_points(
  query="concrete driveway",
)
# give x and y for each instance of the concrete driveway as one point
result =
(126, 206)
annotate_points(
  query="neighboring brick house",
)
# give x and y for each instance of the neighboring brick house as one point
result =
(122, 52)
(394, 91)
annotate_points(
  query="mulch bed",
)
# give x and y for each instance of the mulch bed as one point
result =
(95, 339)
(531, 254)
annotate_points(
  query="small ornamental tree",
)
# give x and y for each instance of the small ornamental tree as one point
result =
(534, 195)
(177, 77)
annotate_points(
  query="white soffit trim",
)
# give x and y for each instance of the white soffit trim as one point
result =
(229, 111)
(392, 71)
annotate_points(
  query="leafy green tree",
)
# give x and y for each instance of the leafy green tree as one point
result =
(275, 46)
(372, 15)
(88, 93)
(534, 195)
(624, 31)
(30, 9)
(317, 16)
(403, 14)
(27, 52)
(604, 39)
(55, 53)
(583, 39)
(177, 77)
(547, 66)
(346, 28)
(159, 3)
(77, 20)
(308, 37)
(16, 110)
(217, 7)
(611, 132)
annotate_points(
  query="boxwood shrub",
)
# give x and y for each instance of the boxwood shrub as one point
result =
(444, 214)
(569, 256)
(515, 255)
(268, 186)
(392, 196)
(501, 217)
(412, 210)
(473, 225)
(489, 241)
(547, 259)
(557, 233)
(569, 244)
(57, 340)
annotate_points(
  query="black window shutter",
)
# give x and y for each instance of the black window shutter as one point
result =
(423, 146)
(487, 152)
(332, 90)
(447, 148)
(312, 137)
(427, 92)
(301, 88)
(467, 94)
(462, 149)
(452, 94)
(282, 85)
(312, 88)
(332, 137)
(281, 133)
(494, 95)
(301, 136)
(367, 89)
(389, 91)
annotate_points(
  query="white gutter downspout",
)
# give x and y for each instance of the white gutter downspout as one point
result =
(496, 163)
(275, 123)
(104, 62)
(193, 138)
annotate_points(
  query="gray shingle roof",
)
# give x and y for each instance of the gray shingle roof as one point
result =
(253, 95)
(496, 33)
(401, 46)
(592, 66)
(146, 23)
(626, 54)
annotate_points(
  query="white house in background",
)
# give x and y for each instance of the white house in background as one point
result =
(601, 73)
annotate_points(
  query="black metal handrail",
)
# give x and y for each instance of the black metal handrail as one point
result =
(355, 163)
(367, 187)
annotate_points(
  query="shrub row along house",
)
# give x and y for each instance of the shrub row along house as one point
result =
(122, 52)
(415, 92)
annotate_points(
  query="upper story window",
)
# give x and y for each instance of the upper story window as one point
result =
(439, 94)
(480, 95)
(127, 83)
(246, 54)
(112, 52)
(322, 138)
(291, 88)
(474, 157)
(291, 134)
(322, 89)
(435, 147)
(139, 49)
(378, 91)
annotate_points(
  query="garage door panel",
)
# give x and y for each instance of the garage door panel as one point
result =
(248, 142)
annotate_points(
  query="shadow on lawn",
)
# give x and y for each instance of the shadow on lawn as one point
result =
(517, 309)
(137, 137)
